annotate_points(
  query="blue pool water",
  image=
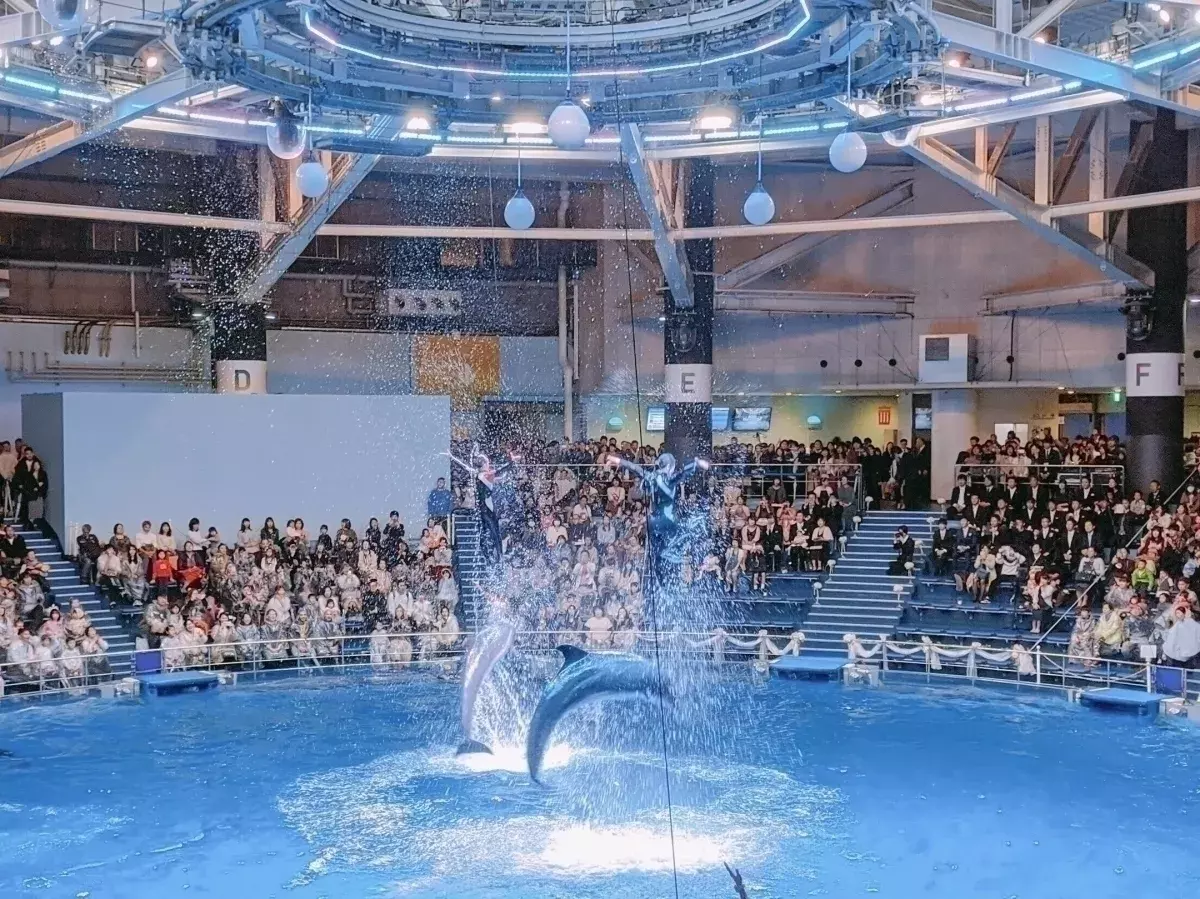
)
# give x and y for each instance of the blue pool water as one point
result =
(338, 788)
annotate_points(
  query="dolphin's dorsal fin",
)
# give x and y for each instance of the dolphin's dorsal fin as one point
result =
(571, 655)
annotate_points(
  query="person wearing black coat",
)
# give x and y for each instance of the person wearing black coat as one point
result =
(905, 548)
(943, 549)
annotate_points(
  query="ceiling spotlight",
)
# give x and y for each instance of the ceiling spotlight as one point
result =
(270, 316)
(497, 98)
(929, 98)
(286, 137)
(419, 120)
(152, 61)
(63, 14)
(1196, 16)
(56, 40)
(1164, 16)
(716, 117)
(1153, 7)
(955, 59)
(526, 121)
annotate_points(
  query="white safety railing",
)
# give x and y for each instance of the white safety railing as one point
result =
(383, 652)
(1032, 665)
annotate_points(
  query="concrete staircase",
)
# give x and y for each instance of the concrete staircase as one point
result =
(65, 586)
(468, 567)
(860, 596)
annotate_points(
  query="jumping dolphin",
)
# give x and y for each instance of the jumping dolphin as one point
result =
(582, 678)
(489, 648)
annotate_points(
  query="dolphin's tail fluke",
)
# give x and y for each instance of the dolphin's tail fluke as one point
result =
(468, 746)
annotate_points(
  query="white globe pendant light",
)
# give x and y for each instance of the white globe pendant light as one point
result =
(519, 212)
(63, 14)
(759, 207)
(848, 152)
(569, 126)
(312, 179)
(286, 135)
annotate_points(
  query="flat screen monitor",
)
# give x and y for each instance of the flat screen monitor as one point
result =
(720, 418)
(752, 418)
(656, 418)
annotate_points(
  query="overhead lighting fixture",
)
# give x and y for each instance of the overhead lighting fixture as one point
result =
(270, 316)
(419, 120)
(526, 121)
(716, 117)
(497, 98)
(1164, 16)
(152, 61)
(1153, 7)
(1196, 16)
(930, 98)
(56, 40)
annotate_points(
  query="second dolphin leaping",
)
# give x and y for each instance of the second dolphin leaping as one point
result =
(586, 677)
(488, 649)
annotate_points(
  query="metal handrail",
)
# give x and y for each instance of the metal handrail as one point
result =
(1051, 670)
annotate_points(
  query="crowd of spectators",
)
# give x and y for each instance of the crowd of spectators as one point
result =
(41, 644)
(1124, 564)
(574, 527)
(274, 597)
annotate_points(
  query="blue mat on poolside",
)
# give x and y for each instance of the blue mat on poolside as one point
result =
(178, 682)
(827, 667)
(1123, 698)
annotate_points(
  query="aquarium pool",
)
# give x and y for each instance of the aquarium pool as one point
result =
(346, 788)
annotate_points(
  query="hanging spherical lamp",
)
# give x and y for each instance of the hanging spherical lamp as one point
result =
(519, 212)
(63, 14)
(312, 179)
(759, 207)
(569, 126)
(848, 152)
(286, 135)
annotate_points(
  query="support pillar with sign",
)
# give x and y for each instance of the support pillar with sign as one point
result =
(239, 347)
(1157, 236)
(687, 334)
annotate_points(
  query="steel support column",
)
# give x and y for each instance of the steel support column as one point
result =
(1157, 235)
(687, 332)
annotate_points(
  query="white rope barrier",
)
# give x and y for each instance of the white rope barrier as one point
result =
(1018, 655)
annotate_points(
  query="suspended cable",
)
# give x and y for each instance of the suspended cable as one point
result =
(647, 565)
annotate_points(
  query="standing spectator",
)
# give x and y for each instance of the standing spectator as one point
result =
(440, 502)
(30, 484)
(8, 467)
(89, 552)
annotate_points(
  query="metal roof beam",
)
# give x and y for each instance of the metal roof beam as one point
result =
(1045, 17)
(279, 255)
(659, 211)
(1111, 262)
(50, 141)
(1078, 295)
(753, 269)
(1026, 53)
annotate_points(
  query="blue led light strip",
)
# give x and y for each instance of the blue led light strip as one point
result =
(54, 89)
(333, 40)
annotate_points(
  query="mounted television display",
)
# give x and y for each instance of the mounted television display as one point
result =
(656, 418)
(752, 418)
(720, 418)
